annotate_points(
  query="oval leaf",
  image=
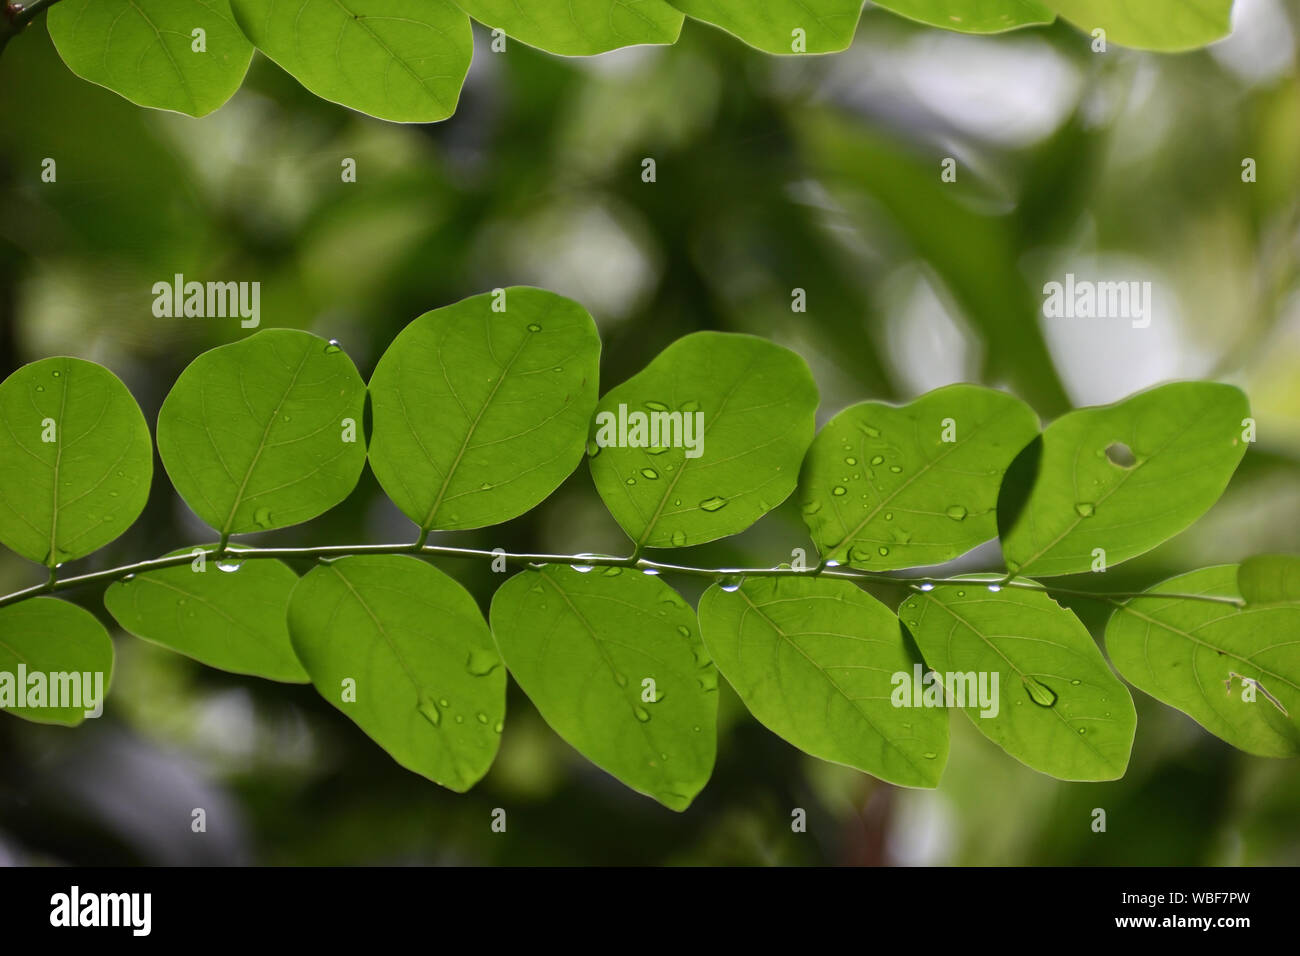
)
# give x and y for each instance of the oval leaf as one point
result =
(1166, 25)
(399, 60)
(886, 487)
(579, 27)
(403, 651)
(223, 614)
(1270, 579)
(1059, 709)
(782, 26)
(705, 441)
(613, 661)
(150, 52)
(480, 414)
(1235, 671)
(58, 650)
(75, 459)
(972, 16)
(1123, 478)
(266, 432)
(815, 660)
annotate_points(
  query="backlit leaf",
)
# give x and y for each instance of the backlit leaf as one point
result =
(579, 27)
(815, 661)
(1166, 25)
(70, 651)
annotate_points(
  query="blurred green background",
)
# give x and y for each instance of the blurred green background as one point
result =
(819, 173)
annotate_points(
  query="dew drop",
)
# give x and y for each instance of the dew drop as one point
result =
(656, 450)
(1039, 693)
(481, 717)
(883, 550)
(839, 490)
(631, 481)
(262, 517)
(612, 572)
(656, 406)
(878, 459)
(229, 565)
(1085, 509)
(927, 586)
(482, 662)
(957, 513)
(333, 346)
(593, 448)
(642, 714)
(871, 432)
(429, 710)
(1075, 683)
(690, 406)
(679, 538)
(684, 631)
(731, 583)
(929, 756)
(896, 469)
(713, 504)
(812, 507)
(40, 388)
(649, 473)
(994, 588)
(850, 460)
(534, 327)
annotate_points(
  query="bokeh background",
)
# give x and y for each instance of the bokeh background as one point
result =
(817, 173)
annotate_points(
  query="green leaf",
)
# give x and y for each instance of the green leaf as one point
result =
(1209, 659)
(1125, 477)
(1270, 579)
(64, 644)
(75, 459)
(266, 432)
(478, 414)
(887, 487)
(411, 646)
(145, 50)
(828, 25)
(226, 615)
(399, 60)
(1059, 710)
(726, 421)
(815, 660)
(1165, 25)
(579, 27)
(613, 661)
(972, 16)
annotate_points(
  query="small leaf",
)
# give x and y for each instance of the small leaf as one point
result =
(399, 60)
(815, 661)
(478, 414)
(229, 615)
(1210, 659)
(886, 487)
(145, 51)
(1059, 709)
(264, 433)
(579, 27)
(614, 662)
(705, 440)
(403, 651)
(972, 16)
(1270, 579)
(67, 647)
(1125, 477)
(75, 459)
(1166, 25)
(827, 26)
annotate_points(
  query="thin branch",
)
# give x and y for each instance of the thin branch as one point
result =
(223, 553)
(15, 16)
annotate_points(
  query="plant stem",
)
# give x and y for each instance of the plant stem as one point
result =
(634, 562)
(15, 16)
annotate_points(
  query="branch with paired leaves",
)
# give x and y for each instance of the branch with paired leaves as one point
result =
(406, 60)
(480, 411)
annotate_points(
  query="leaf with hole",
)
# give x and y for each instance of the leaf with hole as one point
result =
(579, 27)
(815, 660)
(614, 662)
(1234, 670)
(889, 487)
(58, 651)
(266, 432)
(399, 60)
(480, 414)
(75, 459)
(1115, 481)
(221, 613)
(1058, 708)
(704, 441)
(152, 51)
(404, 652)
